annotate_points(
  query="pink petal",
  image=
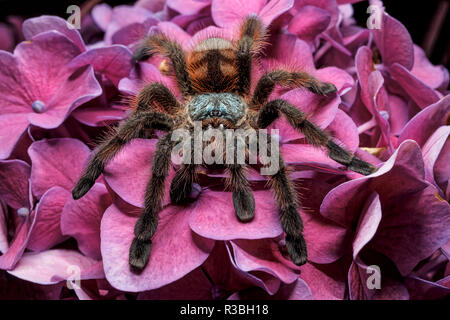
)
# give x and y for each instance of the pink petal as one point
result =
(261, 255)
(432, 76)
(394, 42)
(219, 222)
(309, 22)
(17, 246)
(56, 162)
(14, 183)
(421, 93)
(226, 13)
(176, 250)
(433, 148)
(129, 172)
(81, 219)
(4, 245)
(325, 281)
(115, 62)
(52, 266)
(187, 6)
(47, 229)
(426, 122)
(34, 26)
(102, 14)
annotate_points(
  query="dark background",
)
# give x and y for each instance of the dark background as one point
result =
(425, 20)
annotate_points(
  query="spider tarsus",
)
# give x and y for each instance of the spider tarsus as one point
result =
(361, 166)
(328, 88)
(139, 254)
(244, 205)
(296, 247)
(141, 54)
(82, 187)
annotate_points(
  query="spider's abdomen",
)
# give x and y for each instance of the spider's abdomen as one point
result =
(227, 106)
(211, 66)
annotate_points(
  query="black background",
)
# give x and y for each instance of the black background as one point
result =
(415, 15)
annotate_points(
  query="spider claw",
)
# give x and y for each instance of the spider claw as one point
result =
(180, 190)
(244, 205)
(139, 254)
(296, 247)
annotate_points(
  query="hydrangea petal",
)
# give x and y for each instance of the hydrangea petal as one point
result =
(47, 229)
(220, 222)
(52, 266)
(394, 42)
(56, 162)
(81, 219)
(309, 22)
(14, 183)
(129, 172)
(115, 61)
(34, 26)
(176, 250)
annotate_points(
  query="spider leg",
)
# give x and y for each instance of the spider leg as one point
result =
(243, 200)
(130, 129)
(158, 43)
(313, 134)
(148, 221)
(181, 185)
(251, 40)
(287, 201)
(266, 84)
(157, 93)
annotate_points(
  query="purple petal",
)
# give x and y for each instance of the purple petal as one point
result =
(187, 6)
(35, 26)
(4, 245)
(309, 22)
(432, 76)
(226, 13)
(56, 162)
(12, 127)
(115, 62)
(261, 255)
(422, 94)
(102, 14)
(52, 266)
(394, 42)
(81, 219)
(432, 149)
(325, 281)
(47, 229)
(129, 172)
(294, 291)
(17, 246)
(426, 122)
(14, 183)
(176, 250)
(219, 222)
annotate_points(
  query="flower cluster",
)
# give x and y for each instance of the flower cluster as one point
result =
(382, 236)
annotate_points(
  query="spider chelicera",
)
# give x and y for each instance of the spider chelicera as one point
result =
(214, 80)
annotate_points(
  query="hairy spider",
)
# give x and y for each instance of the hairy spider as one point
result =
(214, 79)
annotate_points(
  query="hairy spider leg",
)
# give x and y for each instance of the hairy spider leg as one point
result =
(147, 223)
(267, 82)
(313, 134)
(132, 128)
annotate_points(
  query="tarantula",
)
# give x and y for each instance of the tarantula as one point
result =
(214, 79)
